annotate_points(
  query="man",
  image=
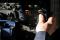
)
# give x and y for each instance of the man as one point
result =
(47, 30)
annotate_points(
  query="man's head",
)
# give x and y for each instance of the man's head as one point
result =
(27, 12)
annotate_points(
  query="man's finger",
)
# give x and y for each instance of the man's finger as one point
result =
(41, 18)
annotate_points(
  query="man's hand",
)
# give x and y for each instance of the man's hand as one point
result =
(49, 26)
